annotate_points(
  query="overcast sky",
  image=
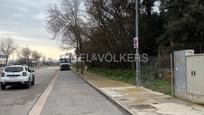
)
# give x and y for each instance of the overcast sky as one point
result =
(25, 20)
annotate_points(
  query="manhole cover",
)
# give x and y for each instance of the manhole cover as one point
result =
(141, 107)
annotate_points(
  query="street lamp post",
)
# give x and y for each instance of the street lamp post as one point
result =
(138, 75)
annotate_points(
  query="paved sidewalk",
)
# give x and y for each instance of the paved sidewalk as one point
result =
(73, 96)
(141, 101)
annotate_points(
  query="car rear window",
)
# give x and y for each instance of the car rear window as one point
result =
(13, 69)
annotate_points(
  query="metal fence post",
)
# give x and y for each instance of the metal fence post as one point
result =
(172, 75)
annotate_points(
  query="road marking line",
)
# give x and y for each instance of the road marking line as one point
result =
(38, 106)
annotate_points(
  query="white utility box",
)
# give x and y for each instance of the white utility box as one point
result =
(189, 75)
(195, 74)
(180, 70)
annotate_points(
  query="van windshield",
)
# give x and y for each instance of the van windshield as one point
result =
(13, 69)
(64, 60)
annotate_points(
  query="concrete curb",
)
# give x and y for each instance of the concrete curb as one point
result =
(124, 109)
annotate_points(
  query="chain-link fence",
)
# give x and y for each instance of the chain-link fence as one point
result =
(156, 74)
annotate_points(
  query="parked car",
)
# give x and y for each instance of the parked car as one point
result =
(17, 75)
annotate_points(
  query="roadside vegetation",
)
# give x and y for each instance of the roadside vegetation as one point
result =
(154, 83)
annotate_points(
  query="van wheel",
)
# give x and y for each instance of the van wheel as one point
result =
(3, 87)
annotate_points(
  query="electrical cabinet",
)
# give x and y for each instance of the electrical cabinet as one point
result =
(180, 70)
(195, 74)
(189, 76)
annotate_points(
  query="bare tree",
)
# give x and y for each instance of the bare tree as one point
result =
(25, 55)
(65, 23)
(36, 57)
(7, 46)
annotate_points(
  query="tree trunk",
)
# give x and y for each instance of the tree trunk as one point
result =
(77, 52)
(81, 63)
(6, 60)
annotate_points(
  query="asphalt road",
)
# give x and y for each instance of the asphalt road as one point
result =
(18, 100)
(70, 96)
